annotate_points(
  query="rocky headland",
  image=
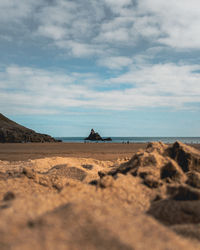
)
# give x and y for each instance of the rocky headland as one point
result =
(13, 132)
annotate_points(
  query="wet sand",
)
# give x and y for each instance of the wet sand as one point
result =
(100, 151)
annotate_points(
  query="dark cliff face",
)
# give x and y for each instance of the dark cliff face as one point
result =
(11, 131)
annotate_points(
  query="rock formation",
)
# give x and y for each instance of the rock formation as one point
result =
(94, 136)
(11, 131)
(107, 139)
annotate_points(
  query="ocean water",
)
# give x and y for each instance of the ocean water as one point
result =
(189, 140)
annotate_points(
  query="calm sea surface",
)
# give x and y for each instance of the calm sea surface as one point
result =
(137, 139)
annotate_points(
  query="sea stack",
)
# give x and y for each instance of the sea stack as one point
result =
(13, 132)
(94, 136)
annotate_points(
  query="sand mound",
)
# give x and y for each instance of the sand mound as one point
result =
(187, 157)
(159, 164)
(187, 230)
(172, 173)
(70, 203)
(154, 166)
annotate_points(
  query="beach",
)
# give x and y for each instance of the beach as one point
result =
(100, 151)
(99, 125)
(99, 196)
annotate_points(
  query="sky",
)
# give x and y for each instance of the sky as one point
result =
(122, 67)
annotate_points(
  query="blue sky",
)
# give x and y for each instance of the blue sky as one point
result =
(124, 67)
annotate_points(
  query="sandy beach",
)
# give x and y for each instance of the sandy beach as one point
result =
(99, 196)
(99, 125)
(100, 151)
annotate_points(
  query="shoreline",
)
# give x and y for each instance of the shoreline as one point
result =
(98, 151)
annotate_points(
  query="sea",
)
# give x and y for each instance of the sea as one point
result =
(188, 140)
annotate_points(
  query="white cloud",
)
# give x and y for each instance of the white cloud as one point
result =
(86, 28)
(81, 49)
(52, 31)
(117, 62)
(162, 85)
(119, 35)
(117, 6)
(13, 10)
(109, 32)
(178, 21)
(170, 81)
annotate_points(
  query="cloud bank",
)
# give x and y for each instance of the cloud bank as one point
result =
(144, 54)
(163, 85)
(94, 25)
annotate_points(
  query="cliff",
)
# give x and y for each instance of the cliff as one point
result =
(13, 132)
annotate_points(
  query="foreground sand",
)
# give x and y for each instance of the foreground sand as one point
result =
(112, 200)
